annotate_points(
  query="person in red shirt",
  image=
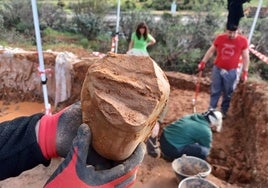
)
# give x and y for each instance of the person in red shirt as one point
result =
(229, 47)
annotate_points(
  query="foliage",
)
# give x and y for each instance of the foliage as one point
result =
(1, 23)
(103, 42)
(88, 24)
(128, 5)
(185, 40)
(53, 36)
(17, 15)
(88, 17)
(52, 16)
(259, 40)
(60, 4)
(185, 4)
(90, 6)
(161, 5)
(84, 43)
(263, 70)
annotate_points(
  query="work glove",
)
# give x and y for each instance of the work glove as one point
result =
(56, 132)
(201, 66)
(75, 172)
(244, 76)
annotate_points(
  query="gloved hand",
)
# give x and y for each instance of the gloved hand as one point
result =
(244, 76)
(74, 172)
(56, 132)
(201, 66)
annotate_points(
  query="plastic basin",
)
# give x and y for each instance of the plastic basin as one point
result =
(187, 166)
(194, 182)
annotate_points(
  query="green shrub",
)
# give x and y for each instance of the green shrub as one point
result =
(18, 15)
(60, 4)
(22, 27)
(84, 42)
(128, 5)
(161, 5)
(1, 24)
(89, 25)
(263, 70)
(103, 41)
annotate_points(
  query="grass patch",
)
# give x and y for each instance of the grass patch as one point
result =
(54, 37)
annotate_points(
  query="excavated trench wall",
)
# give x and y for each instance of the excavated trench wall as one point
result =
(249, 108)
(251, 102)
(20, 81)
(20, 75)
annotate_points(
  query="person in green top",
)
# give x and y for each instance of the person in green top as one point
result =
(190, 135)
(140, 40)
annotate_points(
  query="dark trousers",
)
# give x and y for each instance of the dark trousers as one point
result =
(170, 152)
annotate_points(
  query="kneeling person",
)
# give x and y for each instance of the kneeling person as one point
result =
(190, 135)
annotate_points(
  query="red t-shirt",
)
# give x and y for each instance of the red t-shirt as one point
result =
(229, 50)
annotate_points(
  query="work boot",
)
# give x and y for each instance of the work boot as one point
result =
(152, 146)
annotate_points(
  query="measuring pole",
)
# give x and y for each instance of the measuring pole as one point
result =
(117, 26)
(254, 21)
(40, 56)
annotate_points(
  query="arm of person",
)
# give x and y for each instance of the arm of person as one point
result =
(207, 56)
(19, 149)
(245, 57)
(209, 53)
(152, 40)
(26, 142)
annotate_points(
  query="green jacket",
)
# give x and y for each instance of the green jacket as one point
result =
(189, 129)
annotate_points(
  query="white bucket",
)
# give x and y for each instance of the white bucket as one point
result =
(194, 182)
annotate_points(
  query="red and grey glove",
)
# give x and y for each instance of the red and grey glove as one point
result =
(74, 171)
(201, 66)
(56, 132)
(244, 76)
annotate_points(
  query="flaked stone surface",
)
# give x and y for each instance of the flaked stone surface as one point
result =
(122, 97)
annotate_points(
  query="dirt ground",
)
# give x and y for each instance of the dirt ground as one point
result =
(238, 157)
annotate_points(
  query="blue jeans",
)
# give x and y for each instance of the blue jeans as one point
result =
(222, 83)
(170, 152)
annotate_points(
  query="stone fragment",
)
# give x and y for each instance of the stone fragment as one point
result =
(122, 96)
